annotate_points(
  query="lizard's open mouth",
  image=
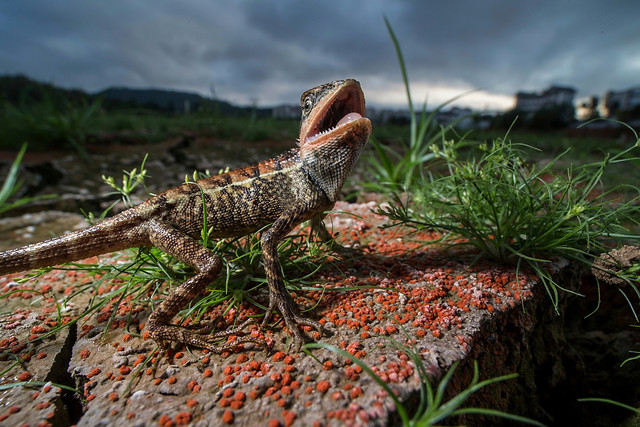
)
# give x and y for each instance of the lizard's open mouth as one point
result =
(344, 106)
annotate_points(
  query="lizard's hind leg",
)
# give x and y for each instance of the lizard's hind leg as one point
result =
(176, 243)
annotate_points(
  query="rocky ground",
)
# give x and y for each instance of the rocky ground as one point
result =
(440, 305)
(64, 364)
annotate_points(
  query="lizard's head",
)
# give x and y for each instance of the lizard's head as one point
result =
(330, 110)
(333, 132)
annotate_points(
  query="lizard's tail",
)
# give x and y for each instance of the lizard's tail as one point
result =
(113, 234)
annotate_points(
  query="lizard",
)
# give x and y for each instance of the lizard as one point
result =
(280, 193)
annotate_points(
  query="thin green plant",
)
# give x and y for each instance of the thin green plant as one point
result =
(431, 408)
(515, 212)
(12, 185)
(507, 209)
(39, 384)
(610, 402)
(398, 169)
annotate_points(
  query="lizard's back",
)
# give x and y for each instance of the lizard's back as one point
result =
(235, 203)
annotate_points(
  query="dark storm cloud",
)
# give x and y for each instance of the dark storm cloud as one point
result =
(509, 45)
(268, 52)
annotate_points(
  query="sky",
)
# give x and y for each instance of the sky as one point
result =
(268, 52)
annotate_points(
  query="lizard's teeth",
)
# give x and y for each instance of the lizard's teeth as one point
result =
(346, 119)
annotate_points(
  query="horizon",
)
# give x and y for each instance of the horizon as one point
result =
(252, 53)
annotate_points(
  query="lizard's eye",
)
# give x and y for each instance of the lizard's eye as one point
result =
(307, 105)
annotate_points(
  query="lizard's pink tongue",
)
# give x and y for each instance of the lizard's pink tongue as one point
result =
(349, 118)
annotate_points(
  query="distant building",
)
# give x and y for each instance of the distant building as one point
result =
(384, 116)
(530, 102)
(462, 117)
(626, 100)
(587, 108)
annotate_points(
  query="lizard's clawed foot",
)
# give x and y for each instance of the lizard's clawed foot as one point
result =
(210, 338)
(199, 336)
(287, 309)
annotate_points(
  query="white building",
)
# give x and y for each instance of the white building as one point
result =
(625, 100)
(554, 96)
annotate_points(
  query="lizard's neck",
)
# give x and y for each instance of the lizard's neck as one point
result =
(329, 164)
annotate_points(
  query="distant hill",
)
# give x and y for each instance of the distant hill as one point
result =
(164, 100)
(19, 88)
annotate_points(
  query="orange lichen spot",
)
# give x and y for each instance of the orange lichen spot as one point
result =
(172, 380)
(286, 378)
(43, 405)
(113, 397)
(355, 392)
(191, 403)
(323, 386)
(228, 417)
(207, 373)
(183, 418)
(270, 391)
(25, 376)
(275, 377)
(38, 329)
(289, 418)
(165, 421)
(124, 370)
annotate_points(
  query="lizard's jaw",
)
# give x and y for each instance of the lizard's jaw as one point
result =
(337, 113)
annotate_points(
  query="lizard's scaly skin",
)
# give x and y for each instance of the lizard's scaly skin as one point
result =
(284, 191)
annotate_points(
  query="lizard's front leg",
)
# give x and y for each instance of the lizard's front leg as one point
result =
(279, 297)
(176, 243)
